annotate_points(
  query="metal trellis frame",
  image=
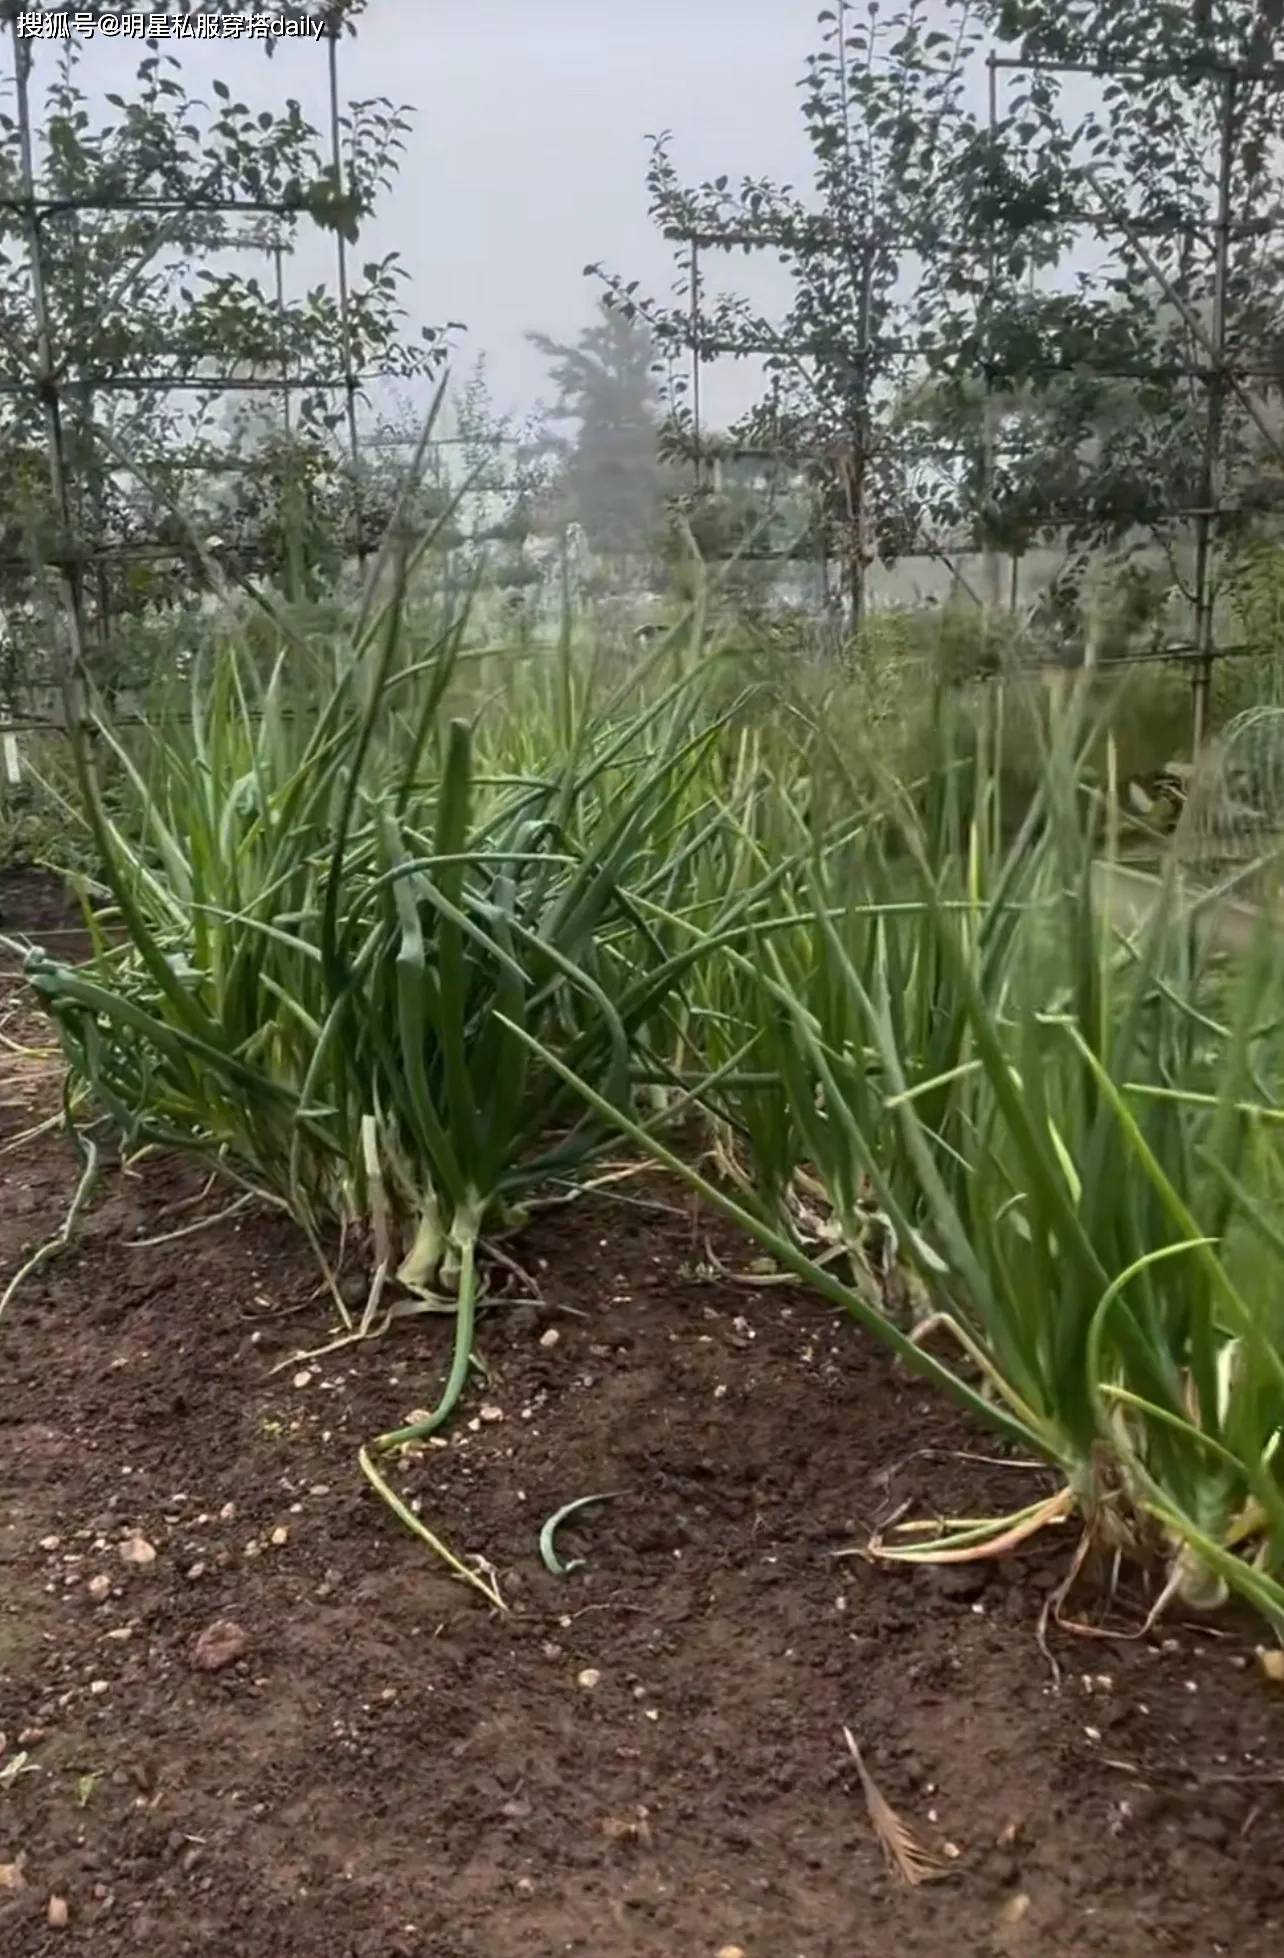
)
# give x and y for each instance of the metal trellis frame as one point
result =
(47, 384)
(1221, 374)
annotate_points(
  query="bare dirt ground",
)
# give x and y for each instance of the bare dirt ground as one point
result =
(640, 1760)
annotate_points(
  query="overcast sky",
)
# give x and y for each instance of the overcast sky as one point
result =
(528, 151)
(528, 154)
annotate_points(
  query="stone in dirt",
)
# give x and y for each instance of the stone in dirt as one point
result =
(219, 1645)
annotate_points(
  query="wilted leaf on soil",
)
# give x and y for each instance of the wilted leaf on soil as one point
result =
(905, 1854)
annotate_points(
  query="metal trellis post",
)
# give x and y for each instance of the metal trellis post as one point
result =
(1208, 522)
(345, 319)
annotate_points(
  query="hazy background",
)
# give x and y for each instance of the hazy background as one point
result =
(527, 159)
(528, 154)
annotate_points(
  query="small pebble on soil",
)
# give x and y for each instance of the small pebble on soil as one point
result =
(219, 1645)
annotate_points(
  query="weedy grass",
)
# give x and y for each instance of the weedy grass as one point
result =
(399, 935)
(1040, 1118)
(338, 911)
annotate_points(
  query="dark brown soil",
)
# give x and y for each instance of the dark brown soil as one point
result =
(393, 1769)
